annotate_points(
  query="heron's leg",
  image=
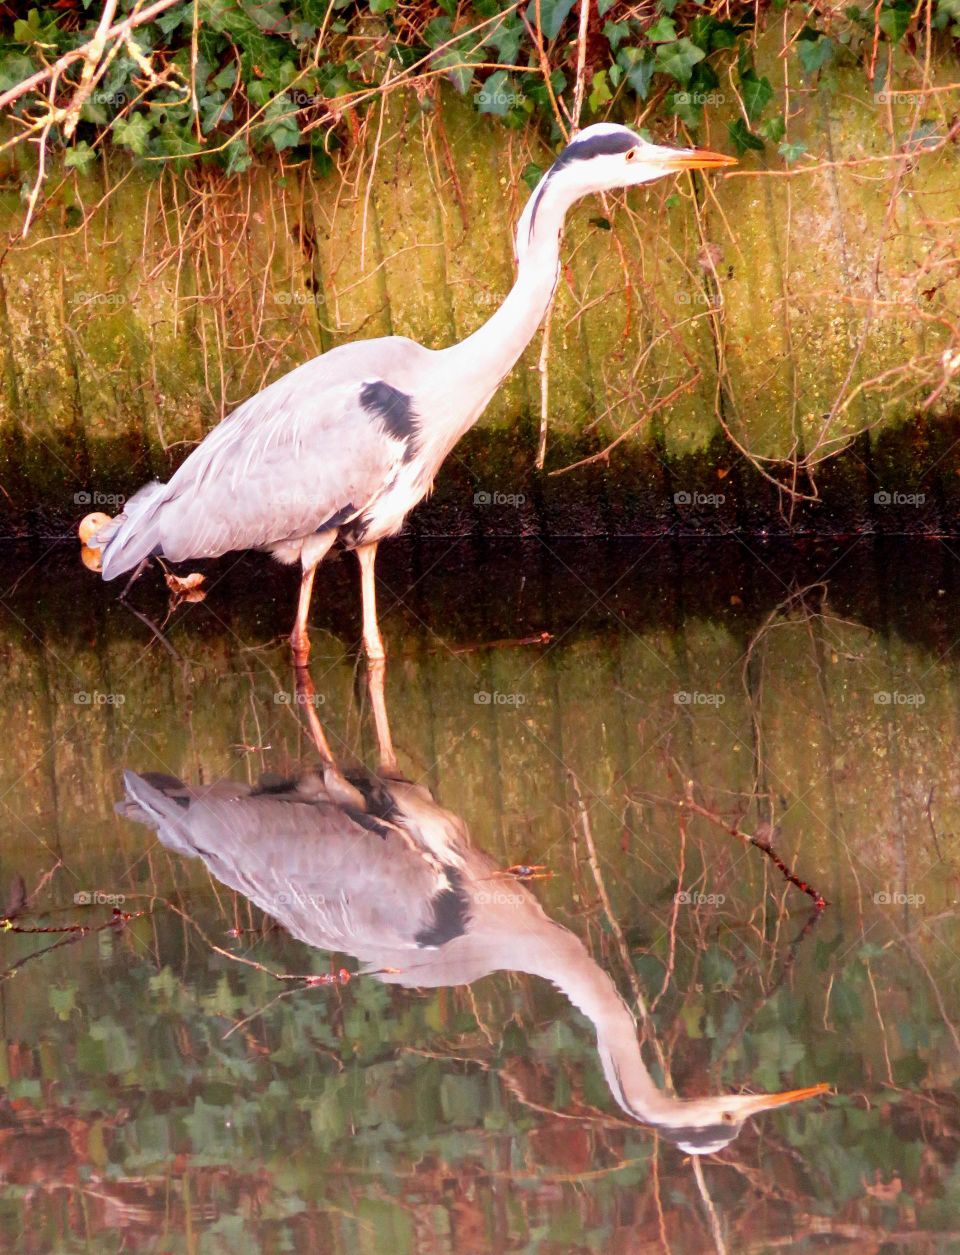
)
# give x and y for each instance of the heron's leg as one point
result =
(377, 674)
(307, 701)
(299, 640)
(137, 572)
(372, 641)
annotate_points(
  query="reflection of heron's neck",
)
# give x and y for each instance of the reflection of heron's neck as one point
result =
(560, 957)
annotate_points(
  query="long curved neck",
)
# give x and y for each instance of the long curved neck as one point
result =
(560, 957)
(478, 364)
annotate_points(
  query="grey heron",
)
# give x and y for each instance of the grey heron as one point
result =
(343, 447)
(371, 865)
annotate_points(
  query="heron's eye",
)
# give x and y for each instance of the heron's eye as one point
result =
(727, 1117)
(631, 154)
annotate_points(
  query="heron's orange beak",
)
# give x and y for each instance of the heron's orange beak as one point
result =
(698, 159)
(763, 1102)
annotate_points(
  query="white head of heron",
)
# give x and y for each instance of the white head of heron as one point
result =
(703, 1126)
(604, 158)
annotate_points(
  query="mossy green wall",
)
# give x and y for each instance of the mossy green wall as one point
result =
(790, 312)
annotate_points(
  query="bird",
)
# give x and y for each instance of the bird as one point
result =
(340, 449)
(370, 864)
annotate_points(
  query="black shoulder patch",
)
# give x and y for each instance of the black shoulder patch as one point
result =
(338, 519)
(451, 913)
(583, 150)
(392, 407)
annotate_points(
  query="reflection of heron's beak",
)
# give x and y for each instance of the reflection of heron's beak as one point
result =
(698, 159)
(756, 1103)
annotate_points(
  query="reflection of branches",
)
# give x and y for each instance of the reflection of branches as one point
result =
(762, 843)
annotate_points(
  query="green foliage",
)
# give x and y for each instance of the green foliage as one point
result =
(256, 77)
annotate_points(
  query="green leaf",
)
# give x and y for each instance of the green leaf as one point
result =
(553, 14)
(600, 93)
(80, 157)
(638, 65)
(531, 174)
(616, 33)
(497, 95)
(663, 31)
(757, 94)
(132, 132)
(791, 152)
(280, 124)
(814, 53)
(743, 138)
(686, 106)
(459, 71)
(506, 38)
(894, 21)
(774, 129)
(678, 59)
(179, 14)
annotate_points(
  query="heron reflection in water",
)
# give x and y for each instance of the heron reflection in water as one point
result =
(371, 865)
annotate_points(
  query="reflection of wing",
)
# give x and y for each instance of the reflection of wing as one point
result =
(339, 876)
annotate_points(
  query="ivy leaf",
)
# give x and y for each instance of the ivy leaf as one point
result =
(531, 174)
(638, 65)
(678, 59)
(169, 21)
(663, 31)
(894, 20)
(537, 91)
(757, 93)
(616, 33)
(814, 50)
(743, 138)
(132, 132)
(459, 73)
(600, 93)
(774, 129)
(791, 152)
(237, 157)
(280, 123)
(496, 95)
(227, 77)
(685, 106)
(604, 6)
(80, 157)
(506, 39)
(553, 14)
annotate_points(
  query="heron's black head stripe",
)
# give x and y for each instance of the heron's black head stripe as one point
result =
(583, 150)
(713, 1135)
(169, 786)
(392, 407)
(451, 914)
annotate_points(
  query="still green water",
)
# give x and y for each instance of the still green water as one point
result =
(165, 1089)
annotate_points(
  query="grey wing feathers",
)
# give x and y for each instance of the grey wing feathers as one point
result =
(302, 453)
(329, 880)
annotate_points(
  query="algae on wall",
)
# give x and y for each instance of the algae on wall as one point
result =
(765, 318)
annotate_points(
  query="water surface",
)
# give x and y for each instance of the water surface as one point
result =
(166, 1089)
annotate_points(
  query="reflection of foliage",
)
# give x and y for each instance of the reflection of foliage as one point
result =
(225, 79)
(341, 1107)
